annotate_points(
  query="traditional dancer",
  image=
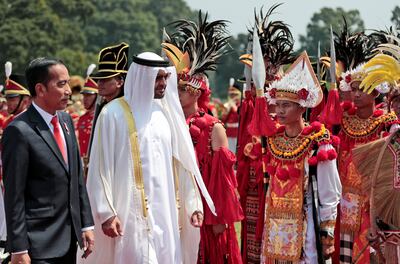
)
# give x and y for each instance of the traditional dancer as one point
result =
(273, 35)
(218, 237)
(304, 186)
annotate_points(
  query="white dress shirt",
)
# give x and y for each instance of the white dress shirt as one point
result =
(47, 119)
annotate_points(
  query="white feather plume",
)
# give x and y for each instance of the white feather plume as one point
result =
(231, 82)
(90, 69)
(258, 68)
(1, 88)
(8, 67)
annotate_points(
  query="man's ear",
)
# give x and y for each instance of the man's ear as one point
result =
(27, 99)
(120, 82)
(40, 89)
(198, 95)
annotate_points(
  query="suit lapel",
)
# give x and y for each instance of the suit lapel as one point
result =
(67, 135)
(44, 131)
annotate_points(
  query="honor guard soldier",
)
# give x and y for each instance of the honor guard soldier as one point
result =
(17, 96)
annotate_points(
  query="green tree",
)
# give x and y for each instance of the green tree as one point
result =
(396, 16)
(319, 27)
(31, 29)
(137, 22)
(229, 66)
(76, 30)
(166, 11)
(122, 20)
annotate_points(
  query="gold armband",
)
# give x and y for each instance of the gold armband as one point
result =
(260, 92)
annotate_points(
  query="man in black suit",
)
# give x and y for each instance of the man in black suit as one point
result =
(46, 204)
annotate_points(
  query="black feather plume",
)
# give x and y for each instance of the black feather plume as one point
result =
(383, 36)
(353, 48)
(205, 41)
(275, 38)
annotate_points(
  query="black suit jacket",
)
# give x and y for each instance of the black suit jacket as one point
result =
(45, 199)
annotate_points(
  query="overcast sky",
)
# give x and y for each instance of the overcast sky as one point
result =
(297, 13)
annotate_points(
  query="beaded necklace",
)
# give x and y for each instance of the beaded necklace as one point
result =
(291, 149)
(358, 128)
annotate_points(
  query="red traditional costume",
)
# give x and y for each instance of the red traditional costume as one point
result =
(85, 122)
(273, 35)
(216, 166)
(378, 162)
(351, 236)
(304, 186)
(354, 206)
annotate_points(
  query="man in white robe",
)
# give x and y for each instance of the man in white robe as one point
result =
(143, 173)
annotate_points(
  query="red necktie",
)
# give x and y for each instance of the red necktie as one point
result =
(57, 136)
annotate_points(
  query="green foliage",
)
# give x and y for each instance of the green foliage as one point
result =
(229, 66)
(32, 29)
(119, 20)
(319, 27)
(76, 60)
(396, 16)
(76, 30)
(167, 11)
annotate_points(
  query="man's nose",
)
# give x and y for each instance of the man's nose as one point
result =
(68, 90)
(163, 81)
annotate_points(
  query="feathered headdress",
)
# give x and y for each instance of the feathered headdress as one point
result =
(8, 69)
(276, 42)
(90, 86)
(299, 85)
(385, 36)
(352, 51)
(15, 83)
(353, 48)
(384, 67)
(195, 48)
